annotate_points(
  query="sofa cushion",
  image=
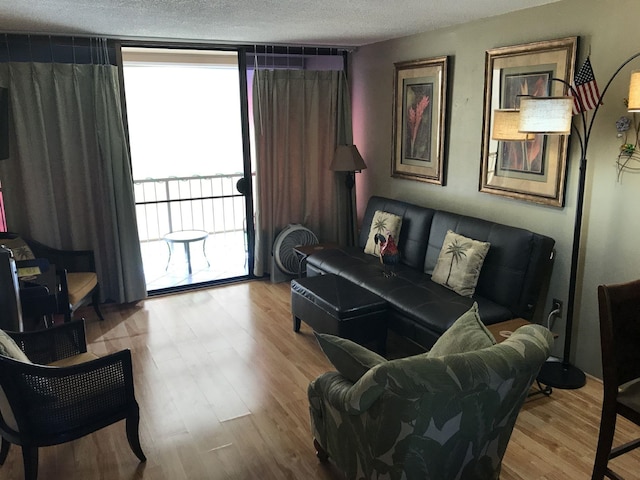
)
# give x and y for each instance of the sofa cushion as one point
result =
(415, 301)
(384, 223)
(459, 263)
(467, 334)
(349, 359)
(515, 264)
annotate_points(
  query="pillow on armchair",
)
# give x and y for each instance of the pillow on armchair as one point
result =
(467, 334)
(351, 360)
(19, 248)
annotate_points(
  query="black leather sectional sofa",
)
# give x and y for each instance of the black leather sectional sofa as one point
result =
(514, 272)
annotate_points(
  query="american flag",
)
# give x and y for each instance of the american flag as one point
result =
(587, 89)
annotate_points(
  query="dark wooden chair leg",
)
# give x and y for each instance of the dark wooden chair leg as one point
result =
(95, 299)
(605, 442)
(133, 436)
(296, 324)
(4, 450)
(30, 460)
(322, 455)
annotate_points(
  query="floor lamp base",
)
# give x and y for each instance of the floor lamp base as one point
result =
(561, 375)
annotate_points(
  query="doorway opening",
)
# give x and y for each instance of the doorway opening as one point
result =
(187, 139)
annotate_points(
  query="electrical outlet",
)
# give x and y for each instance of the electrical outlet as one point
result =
(556, 305)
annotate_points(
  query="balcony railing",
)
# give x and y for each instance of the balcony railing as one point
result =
(210, 203)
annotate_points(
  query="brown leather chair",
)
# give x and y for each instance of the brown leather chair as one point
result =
(78, 280)
(620, 338)
(42, 406)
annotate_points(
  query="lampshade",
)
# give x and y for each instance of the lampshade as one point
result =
(634, 92)
(548, 115)
(347, 159)
(505, 126)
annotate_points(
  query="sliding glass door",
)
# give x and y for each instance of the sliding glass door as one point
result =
(187, 121)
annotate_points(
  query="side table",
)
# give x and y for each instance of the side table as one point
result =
(186, 237)
(501, 331)
(303, 251)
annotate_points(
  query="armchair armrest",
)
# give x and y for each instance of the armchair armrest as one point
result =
(52, 344)
(71, 260)
(29, 292)
(346, 396)
(41, 263)
(49, 401)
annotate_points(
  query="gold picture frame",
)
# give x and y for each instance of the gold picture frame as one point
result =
(419, 109)
(533, 170)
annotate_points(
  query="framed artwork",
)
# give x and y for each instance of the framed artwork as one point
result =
(419, 109)
(534, 169)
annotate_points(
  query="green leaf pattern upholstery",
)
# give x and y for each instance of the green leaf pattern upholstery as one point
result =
(440, 418)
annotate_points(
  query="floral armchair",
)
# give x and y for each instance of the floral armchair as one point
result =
(431, 416)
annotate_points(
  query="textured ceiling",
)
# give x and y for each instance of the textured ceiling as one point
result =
(297, 22)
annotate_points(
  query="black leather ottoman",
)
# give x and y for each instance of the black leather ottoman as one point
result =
(331, 304)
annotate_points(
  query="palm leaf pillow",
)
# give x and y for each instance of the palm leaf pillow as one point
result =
(459, 263)
(383, 223)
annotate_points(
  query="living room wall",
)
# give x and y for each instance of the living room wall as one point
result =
(611, 230)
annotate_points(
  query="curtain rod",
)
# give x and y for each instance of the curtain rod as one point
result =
(191, 42)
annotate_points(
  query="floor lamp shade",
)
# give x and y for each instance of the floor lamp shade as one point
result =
(347, 158)
(506, 123)
(546, 115)
(634, 92)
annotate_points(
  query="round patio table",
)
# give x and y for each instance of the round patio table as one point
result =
(186, 237)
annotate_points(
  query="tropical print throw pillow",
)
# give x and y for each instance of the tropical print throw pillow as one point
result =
(383, 223)
(459, 263)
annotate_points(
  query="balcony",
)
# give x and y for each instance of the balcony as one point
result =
(208, 203)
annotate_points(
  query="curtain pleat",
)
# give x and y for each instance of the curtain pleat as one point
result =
(296, 118)
(68, 180)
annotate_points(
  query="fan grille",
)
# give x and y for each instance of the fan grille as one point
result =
(291, 237)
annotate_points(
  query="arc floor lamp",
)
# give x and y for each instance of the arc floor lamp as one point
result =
(553, 116)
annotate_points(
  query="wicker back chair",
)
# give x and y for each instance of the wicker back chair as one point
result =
(42, 406)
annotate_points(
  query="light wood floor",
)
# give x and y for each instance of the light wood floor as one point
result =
(221, 380)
